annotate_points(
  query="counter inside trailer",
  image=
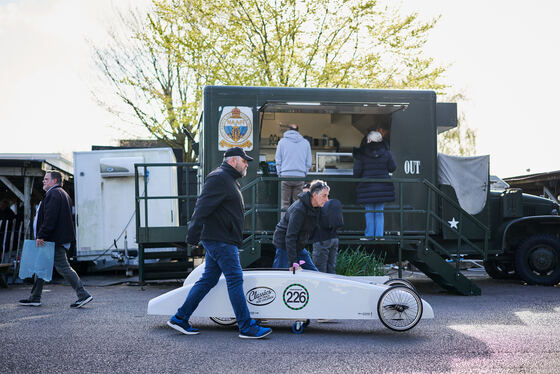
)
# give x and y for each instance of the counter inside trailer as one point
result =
(332, 129)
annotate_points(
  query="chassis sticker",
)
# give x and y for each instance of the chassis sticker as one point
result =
(296, 296)
(260, 296)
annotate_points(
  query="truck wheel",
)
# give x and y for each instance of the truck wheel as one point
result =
(500, 270)
(537, 260)
(399, 308)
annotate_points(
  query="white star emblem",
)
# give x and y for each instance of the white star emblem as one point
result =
(453, 224)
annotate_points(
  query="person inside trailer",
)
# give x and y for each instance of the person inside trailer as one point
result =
(296, 227)
(374, 160)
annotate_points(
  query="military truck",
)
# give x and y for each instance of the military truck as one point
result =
(525, 232)
(444, 212)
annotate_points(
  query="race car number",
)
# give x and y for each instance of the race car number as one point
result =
(296, 296)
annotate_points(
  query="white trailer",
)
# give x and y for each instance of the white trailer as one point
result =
(104, 199)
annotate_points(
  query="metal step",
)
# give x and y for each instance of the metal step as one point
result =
(441, 272)
(179, 267)
(166, 275)
(168, 254)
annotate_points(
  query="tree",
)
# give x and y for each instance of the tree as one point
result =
(460, 141)
(155, 88)
(322, 43)
(183, 45)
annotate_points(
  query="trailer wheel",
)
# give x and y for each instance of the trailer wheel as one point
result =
(537, 260)
(399, 308)
(400, 282)
(224, 321)
(500, 270)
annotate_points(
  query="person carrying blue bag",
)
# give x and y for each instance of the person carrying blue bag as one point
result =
(53, 223)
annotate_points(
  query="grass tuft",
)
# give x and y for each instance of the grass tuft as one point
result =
(358, 262)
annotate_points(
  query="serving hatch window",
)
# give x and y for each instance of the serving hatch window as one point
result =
(328, 126)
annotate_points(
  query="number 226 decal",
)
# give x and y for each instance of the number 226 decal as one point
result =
(296, 296)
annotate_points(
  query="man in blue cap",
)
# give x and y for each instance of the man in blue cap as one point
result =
(217, 222)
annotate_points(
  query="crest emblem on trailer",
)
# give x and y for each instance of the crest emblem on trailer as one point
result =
(235, 128)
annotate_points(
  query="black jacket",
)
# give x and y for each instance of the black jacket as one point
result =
(330, 220)
(54, 218)
(219, 210)
(295, 228)
(374, 160)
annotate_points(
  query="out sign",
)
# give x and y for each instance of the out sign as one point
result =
(412, 167)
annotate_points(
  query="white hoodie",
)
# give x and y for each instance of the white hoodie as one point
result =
(293, 155)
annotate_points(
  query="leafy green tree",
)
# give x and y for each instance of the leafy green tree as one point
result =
(460, 141)
(155, 89)
(321, 43)
(180, 46)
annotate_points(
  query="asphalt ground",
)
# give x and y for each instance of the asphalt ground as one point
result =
(511, 328)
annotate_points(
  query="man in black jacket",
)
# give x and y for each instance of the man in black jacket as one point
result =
(217, 222)
(296, 226)
(53, 223)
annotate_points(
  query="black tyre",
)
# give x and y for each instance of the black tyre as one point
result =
(400, 282)
(399, 308)
(297, 327)
(500, 269)
(537, 260)
(224, 321)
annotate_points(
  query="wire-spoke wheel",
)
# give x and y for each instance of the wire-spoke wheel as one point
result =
(399, 308)
(224, 321)
(400, 282)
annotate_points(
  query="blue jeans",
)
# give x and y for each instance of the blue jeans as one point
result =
(220, 258)
(374, 220)
(281, 259)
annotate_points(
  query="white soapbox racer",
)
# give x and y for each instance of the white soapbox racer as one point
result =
(304, 295)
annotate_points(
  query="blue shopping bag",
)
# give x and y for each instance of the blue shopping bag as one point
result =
(36, 260)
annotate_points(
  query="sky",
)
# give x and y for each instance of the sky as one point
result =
(503, 57)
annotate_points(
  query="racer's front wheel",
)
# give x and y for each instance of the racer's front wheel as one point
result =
(297, 327)
(400, 282)
(224, 321)
(399, 308)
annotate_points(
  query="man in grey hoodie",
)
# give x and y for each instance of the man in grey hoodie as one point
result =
(293, 159)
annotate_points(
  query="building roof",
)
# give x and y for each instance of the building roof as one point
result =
(55, 160)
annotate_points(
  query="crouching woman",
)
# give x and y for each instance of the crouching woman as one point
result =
(296, 227)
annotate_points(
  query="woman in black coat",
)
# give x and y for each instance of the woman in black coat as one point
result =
(296, 227)
(374, 160)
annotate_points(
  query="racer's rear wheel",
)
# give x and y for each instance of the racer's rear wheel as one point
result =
(224, 321)
(399, 308)
(400, 282)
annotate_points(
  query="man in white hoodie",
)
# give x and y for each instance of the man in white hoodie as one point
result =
(293, 159)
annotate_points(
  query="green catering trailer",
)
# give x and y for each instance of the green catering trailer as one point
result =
(445, 209)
